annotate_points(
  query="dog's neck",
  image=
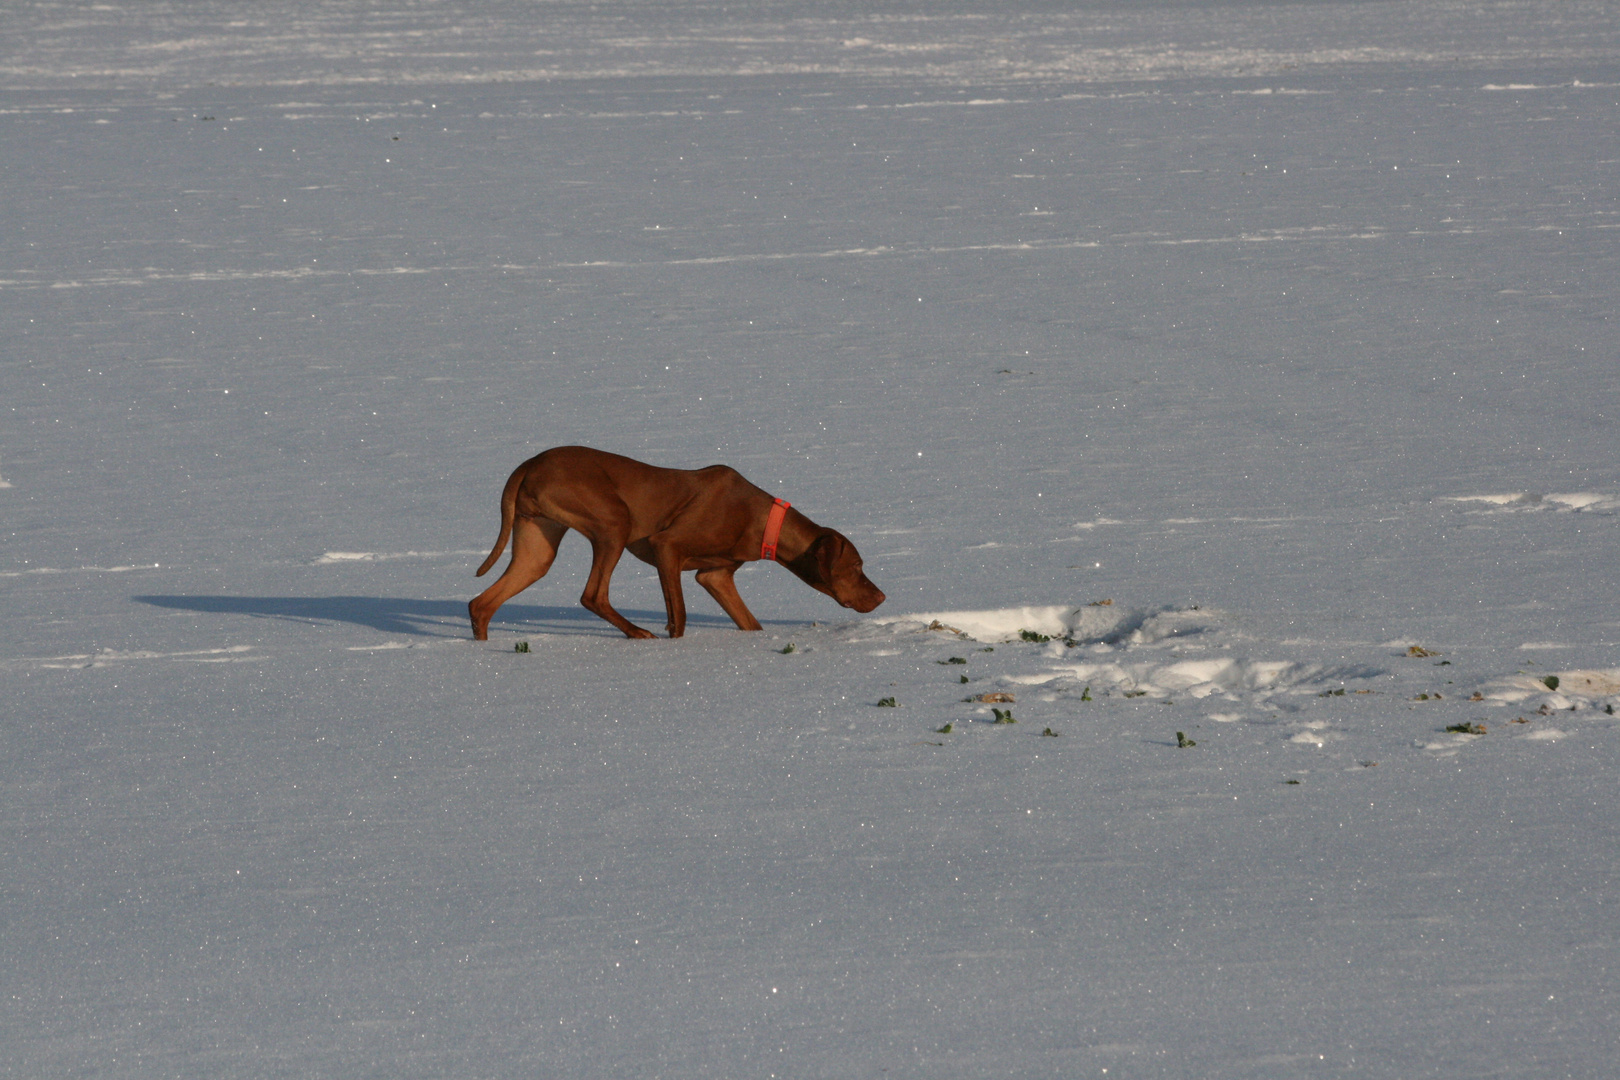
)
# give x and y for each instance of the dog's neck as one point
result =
(773, 528)
(798, 533)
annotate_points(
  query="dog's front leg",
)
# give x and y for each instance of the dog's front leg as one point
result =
(717, 581)
(668, 561)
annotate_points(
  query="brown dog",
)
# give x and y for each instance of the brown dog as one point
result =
(709, 520)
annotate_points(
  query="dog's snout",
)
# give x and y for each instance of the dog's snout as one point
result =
(867, 599)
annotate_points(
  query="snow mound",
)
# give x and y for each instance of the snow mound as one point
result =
(1009, 624)
(1189, 678)
(1095, 646)
(1114, 649)
(1100, 622)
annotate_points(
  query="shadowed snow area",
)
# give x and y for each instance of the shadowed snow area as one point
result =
(1223, 394)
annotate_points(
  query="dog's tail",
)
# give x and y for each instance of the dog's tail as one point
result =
(508, 510)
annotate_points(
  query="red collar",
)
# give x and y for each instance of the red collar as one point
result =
(773, 529)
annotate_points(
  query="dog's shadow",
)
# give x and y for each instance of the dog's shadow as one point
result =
(420, 618)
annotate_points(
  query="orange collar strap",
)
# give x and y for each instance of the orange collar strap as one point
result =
(773, 528)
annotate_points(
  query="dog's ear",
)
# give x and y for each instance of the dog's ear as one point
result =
(840, 567)
(814, 565)
(829, 549)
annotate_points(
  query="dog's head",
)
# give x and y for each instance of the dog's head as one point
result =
(833, 566)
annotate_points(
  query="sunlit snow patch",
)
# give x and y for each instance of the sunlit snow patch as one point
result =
(331, 558)
(1558, 691)
(1449, 744)
(1520, 501)
(1315, 733)
(1591, 683)
(78, 570)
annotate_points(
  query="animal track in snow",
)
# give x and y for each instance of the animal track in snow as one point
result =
(105, 657)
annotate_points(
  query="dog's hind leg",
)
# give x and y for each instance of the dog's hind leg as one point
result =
(719, 584)
(534, 546)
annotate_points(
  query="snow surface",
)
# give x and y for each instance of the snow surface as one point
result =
(1260, 357)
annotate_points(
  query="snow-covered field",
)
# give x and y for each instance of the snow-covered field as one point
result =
(1229, 390)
